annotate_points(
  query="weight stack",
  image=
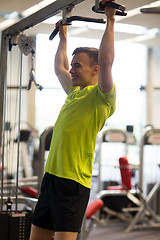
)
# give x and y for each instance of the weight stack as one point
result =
(15, 226)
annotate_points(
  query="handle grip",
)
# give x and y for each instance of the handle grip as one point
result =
(54, 33)
(113, 5)
(120, 8)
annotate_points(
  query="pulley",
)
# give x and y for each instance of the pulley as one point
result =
(26, 44)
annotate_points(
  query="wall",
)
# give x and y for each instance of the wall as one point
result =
(151, 153)
(156, 83)
(153, 95)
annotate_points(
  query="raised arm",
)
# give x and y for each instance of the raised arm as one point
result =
(106, 52)
(61, 60)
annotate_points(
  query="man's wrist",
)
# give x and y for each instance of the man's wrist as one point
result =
(63, 36)
(111, 20)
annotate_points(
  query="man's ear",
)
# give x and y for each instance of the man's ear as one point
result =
(96, 69)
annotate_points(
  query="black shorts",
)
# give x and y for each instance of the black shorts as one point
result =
(61, 204)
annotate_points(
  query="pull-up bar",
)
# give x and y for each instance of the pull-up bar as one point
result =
(98, 8)
(75, 18)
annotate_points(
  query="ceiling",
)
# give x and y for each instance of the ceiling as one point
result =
(135, 27)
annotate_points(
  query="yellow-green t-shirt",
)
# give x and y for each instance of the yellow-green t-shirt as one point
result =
(74, 136)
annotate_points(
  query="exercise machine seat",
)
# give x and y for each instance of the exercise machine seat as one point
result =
(29, 191)
(125, 176)
(93, 207)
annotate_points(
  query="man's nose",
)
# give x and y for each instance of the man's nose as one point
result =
(72, 70)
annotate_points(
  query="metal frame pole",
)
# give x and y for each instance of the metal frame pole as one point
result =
(3, 76)
(2, 114)
(19, 27)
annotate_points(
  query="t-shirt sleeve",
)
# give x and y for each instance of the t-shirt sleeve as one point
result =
(109, 98)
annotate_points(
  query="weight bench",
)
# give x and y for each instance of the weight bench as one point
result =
(128, 204)
(119, 193)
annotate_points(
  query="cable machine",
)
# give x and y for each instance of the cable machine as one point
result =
(15, 224)
(114, 144)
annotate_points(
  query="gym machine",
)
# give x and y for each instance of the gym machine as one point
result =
(149, 164)
(149, 207)
(114, 143)
(15, 219)
(16, 209)
(139, 208)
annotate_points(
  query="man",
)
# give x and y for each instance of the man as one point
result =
(91, 100)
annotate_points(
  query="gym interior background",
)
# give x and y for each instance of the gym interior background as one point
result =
(136, 73)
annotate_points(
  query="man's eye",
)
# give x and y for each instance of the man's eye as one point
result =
(77, 65)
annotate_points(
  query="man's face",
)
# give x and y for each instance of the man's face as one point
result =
(81, 71)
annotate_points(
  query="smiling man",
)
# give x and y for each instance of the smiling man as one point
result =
(84, 67)
(91, 100)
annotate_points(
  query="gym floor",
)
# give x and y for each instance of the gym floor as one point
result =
(116, 231)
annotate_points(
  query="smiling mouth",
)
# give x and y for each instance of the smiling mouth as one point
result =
(74, 77)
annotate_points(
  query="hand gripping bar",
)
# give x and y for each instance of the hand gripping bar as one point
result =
(76, 18)
(120, 8)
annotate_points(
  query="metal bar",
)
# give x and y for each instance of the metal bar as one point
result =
(141, 167)
(19, 123)
(16, 87)
(3, 77)
(3, 107)
(150, 10)
(76, 18)
(149, 90)
(38, 17)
